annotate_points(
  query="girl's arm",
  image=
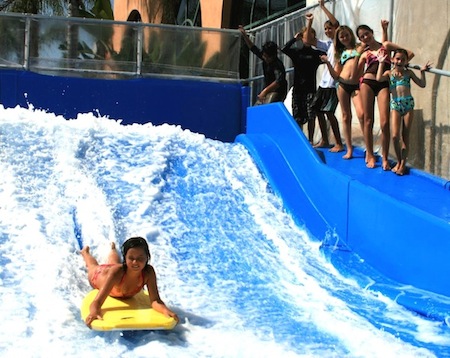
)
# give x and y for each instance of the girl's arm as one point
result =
(312, 40)
(334, 72)
(247, 40)
(113, 276)
(329, 14)
(390, 46)
(270, 88)
(384, 28)
(358, 65)
(155, 301)
(422, 81)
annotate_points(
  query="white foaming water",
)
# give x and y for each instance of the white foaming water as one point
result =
(244, 279)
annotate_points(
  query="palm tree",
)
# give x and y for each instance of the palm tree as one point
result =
(33, 6)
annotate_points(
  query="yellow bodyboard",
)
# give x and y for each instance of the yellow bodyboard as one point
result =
(127, 314)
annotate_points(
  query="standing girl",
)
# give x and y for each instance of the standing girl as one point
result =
(371, 88)
(402, 103)
(347, 72)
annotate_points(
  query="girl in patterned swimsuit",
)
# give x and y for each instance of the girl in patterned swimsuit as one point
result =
(123, 280)
(371, 88)
(347, 73)
(402, 103)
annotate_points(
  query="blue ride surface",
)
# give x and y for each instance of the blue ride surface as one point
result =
(391, 232)
(399, 226)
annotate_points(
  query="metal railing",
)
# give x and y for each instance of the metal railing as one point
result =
(112, 49)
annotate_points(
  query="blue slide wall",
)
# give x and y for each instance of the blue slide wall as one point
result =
(400, 226)
(216, 110)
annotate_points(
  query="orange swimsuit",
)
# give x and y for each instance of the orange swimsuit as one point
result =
(117, 289)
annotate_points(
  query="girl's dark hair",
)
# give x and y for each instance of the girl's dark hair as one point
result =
(270, 48)
(363, 27)
(402, 51)
(133, 242)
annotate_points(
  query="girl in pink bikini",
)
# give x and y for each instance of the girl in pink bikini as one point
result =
(370, 89)
(123, 280)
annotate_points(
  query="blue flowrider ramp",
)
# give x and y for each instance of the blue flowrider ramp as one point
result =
(398, 226)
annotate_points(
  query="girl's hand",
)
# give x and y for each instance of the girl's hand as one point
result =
(361, 48)
(384, 24)
(93, 315)
(324, 58)
(426, 67)
(309, 17)
(381, 56)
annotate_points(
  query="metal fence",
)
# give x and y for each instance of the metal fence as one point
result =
(109, 49)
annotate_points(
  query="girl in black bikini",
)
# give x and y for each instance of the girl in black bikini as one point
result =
(123, 280)
(371, 88)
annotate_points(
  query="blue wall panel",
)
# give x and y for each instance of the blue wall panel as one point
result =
(213, 109)
(397, 226)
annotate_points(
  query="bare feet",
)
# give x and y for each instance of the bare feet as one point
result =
(85, 251)
(370, 161)
(386, 165)
(395, 168)
(337, 148)
(401, 170)
(348, 155)
(321, 144)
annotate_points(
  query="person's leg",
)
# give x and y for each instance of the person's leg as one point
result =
(384, 110)
(396, 119)
(357, 103)
(368, 103)
(338, 146)
(344, 101)
(407, 122)
(91, 263)
(113, 256)
(323, 130)
(310, 115)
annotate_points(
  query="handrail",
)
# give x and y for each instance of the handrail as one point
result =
(120, 49)
(435, 71)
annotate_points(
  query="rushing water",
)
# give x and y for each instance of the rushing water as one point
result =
(244, 279)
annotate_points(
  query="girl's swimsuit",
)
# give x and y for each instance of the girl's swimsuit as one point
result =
(401, 104)
(101, 268)
(348, 54)
(345, 56)
(372, 67)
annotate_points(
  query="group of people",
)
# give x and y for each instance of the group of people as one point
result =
(357, 72)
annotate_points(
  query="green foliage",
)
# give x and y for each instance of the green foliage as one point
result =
(102, 10)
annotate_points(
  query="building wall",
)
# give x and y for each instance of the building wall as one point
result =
(215, 13)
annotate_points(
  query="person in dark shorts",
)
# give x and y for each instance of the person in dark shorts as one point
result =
(325, 101)
(275, 84)
(306, 60)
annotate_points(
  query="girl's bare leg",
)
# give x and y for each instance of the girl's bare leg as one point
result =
(344, 100)
(89, 260)
(113, 256)
(396, 124)
(407, 122)
(356, 98)
(383, 108)
(323, 130)
(338, 146)
(368, 102)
